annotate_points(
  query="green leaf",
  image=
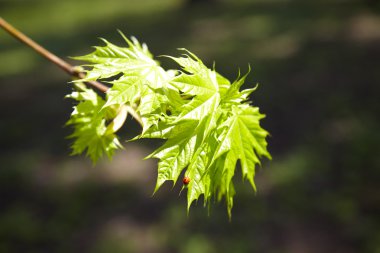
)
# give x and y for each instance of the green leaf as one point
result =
(201, 84)
(227, 130)
(111, 60)
(175, 154)
(243, 139)
(89, 122)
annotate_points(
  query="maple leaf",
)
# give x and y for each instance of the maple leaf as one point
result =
(111, 60)
(91, 133)
(200, 83)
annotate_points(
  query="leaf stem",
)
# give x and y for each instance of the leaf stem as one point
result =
(65, 66)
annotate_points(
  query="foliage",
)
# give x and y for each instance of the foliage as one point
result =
(206, 120)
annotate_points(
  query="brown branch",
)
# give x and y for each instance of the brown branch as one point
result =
(71, 70)
(48, 55)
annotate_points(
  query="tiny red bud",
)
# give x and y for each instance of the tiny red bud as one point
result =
(186, 180)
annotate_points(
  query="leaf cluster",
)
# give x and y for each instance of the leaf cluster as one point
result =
(206, 121)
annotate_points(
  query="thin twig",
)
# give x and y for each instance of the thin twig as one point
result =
(48, 55)
(71, 70)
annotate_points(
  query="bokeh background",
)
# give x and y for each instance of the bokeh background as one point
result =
(318, 65)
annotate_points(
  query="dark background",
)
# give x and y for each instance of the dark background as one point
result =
(318, 65)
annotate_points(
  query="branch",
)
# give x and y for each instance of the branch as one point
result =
(65, 66)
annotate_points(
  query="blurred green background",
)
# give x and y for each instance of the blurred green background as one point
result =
(318, 65)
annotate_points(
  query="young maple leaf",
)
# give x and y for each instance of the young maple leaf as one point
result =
(91, 133)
